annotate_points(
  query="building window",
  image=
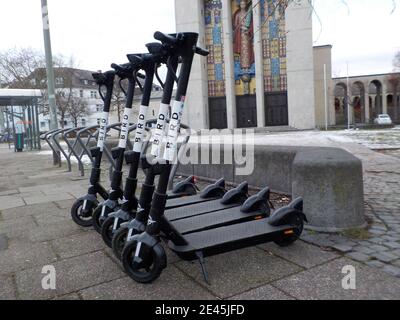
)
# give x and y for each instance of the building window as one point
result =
(59, 81)
(84, 82)
(93, 94)
(33, 82)
(99, 108)
(98, 121)
(81, 93)
(83, 122)
(42, 124)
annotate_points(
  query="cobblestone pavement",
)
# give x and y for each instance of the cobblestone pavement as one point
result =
(36, 231)
(380, 247)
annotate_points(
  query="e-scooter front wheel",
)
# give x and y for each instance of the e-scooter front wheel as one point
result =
(100, 214)
(143, 263)
(81, 212)
(119, 240)
(108, 228)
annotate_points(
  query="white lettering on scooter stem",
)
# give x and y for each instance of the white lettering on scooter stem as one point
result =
(159, 132)
(141, 129)
(125, 128)
(173, 130)
(102, 131)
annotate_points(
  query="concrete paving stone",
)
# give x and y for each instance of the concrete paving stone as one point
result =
(393, 270)
(358, 256)
(378, 248)
(301, 253)
(8, 192)
(267, 292)
(36, 186)
(362, 249)
(389, 238)
(342, 248)
(7, 290)
(50, 198)
(392, 245)
(376, 232)
(239, 271)
(72, 275)
(23, 255)
(77, 245)
(8, 202)
(377, 240)
(396, 252)
(325, 283)
(376, 264)
(385, 256)
(64, 204)
(53, 217)
(3, 242)
(29, 210)
(15, 226)
(171, 285)
(68, 297)
(54, 231)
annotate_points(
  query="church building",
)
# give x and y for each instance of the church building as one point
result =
(260, 70)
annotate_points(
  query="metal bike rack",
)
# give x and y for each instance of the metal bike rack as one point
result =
(60, 148)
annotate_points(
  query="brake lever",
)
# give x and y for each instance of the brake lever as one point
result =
(176, 79)
(162, 84)
(121, 87)
(101, 93)
(135, 76)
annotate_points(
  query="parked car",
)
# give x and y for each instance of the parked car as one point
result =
(383, 119)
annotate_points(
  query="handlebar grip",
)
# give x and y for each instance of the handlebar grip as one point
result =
(135, 59)
(202, 52)
(165, 38)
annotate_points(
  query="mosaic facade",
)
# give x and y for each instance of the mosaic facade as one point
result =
(274, 45)
(243, 47)
(214, 43)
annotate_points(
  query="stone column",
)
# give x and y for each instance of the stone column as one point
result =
(258, 53)
(229, 63)
(190, 18)
(366, 107)
(384, 98)
(300, 65)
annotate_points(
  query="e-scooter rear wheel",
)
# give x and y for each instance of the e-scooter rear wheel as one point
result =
(119, 240)
(290, 238)
(143, 264)
(79, 215)
(107, 230)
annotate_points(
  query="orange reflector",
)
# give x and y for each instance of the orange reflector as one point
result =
(258, 218)
(289, 232)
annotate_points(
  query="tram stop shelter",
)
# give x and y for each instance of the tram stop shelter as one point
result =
(19, 114)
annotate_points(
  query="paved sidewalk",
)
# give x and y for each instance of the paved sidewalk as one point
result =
(36, 230)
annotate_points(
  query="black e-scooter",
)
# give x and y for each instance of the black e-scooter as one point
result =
(129, 72)
(148, 63)
(144, 257)
(82, 209)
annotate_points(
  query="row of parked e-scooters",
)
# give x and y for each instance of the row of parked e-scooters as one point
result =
(193, 224)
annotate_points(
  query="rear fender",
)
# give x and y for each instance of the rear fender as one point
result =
(285, 216)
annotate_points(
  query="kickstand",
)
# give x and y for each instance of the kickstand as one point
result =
(199, 255)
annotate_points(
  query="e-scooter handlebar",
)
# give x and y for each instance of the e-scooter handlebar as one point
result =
(126, 70)
(173, 40)
(104, 79)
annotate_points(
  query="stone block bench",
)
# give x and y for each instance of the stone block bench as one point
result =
(330, 180)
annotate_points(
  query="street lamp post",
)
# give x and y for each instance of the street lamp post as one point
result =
(49, 71)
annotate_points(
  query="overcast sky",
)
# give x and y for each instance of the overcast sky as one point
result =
(98, 32)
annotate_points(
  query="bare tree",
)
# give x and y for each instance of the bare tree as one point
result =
(78, 109)
(118, 99)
